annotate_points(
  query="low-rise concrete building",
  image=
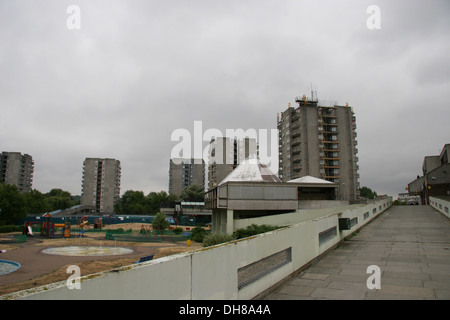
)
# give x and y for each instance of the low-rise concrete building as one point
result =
(251, 190)
(438, 181)
(435, 181)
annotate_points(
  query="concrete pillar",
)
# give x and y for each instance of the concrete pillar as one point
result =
(214, 220)
(222, 221)
(229, 222)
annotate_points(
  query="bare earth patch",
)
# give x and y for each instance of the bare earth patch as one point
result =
(91, 266)
(87, 267)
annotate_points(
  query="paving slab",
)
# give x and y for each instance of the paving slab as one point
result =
(425, 293)
(419, 283)
(295, 290)
(410, 244)
(442, 294)
(338, 294)
(315, 276)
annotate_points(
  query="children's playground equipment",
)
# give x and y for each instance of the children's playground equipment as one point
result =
(98, 223)
(48, 227)
(28, 227)
(84, 222)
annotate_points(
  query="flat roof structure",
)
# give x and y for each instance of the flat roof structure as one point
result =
(310, 180)
(252, 190)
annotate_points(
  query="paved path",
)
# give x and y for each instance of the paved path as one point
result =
(410, 245)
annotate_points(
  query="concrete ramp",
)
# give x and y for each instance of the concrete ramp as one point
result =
(78, 209)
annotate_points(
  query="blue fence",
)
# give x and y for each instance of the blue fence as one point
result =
(185, 220)
(91, 219)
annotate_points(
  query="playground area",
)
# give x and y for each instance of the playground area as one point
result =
(41, 254)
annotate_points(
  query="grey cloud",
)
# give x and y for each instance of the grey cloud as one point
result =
(136, 71)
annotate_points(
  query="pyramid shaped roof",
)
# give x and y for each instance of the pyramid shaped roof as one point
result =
(310, 179)
(251, 169)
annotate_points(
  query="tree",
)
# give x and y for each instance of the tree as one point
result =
(135, 202)
(36, 202)
(156, 199)
(160, 222)
(193, 192)
(367, 193)
(12, 204)
(58, 199)
(132, 202)
(58, 193)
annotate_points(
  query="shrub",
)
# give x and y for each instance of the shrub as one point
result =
(217, 238)
(177, 230)
(160, 221)
(398, 203)
(253, 230)
(10, 228)
(197, 234)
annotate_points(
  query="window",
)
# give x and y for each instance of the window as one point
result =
(327, 235)
(256, 270)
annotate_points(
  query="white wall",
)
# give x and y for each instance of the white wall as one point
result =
(212, 273)
(441, 205)
(291, 218)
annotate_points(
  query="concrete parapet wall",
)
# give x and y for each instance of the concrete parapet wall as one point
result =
(320, 204)
(286, 219)
(240, 269)
(441, 205)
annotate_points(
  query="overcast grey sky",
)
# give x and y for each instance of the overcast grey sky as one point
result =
(137, 70)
